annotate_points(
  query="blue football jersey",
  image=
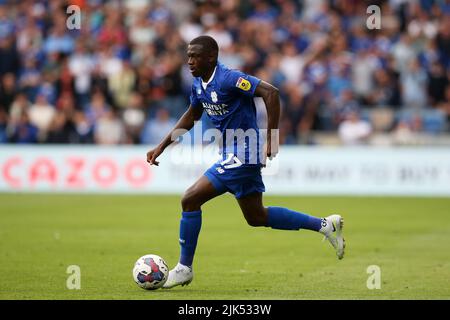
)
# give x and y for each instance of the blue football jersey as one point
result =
(228, 102)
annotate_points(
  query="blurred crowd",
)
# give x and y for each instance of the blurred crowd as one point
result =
(121, 78)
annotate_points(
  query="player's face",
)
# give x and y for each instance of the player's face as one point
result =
(198, 60)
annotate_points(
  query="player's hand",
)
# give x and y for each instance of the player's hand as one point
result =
(269, 152)
(153, 154)
(271, 148)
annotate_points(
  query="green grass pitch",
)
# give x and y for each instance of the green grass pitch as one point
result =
(41, 235)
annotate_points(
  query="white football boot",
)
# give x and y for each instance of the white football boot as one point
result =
(332, 229)
(180, 275)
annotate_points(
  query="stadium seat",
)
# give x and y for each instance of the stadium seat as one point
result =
(434, 121)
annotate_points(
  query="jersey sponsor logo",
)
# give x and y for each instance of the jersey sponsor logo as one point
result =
(243, 84)
(214, 96)
(215, 109)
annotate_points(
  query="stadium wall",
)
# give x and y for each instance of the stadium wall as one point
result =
(299, 170)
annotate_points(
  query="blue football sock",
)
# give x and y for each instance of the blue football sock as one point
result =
(285, 219)
(190, 225)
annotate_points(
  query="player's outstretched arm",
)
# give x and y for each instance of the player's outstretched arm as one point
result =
(271, 97)
(183, 125)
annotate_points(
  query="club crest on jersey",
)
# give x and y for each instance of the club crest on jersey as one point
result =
(243, 84)
(214, 96)
(199, 91)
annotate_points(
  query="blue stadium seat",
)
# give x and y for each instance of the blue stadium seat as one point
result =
(434, 121)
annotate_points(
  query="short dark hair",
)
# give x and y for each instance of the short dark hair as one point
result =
(208, 43)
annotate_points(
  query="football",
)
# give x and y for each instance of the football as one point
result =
(150, 272)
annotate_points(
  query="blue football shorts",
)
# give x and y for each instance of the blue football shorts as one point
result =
(240, 181)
